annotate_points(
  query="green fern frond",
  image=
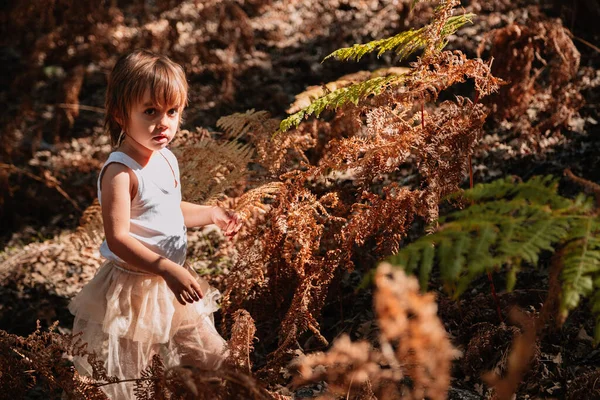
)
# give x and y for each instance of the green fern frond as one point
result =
(581, 263)
(404, 43)
(454, 249)
(353, 93)
(510, 224)
(539, 189)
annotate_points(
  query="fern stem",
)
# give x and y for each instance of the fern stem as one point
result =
(495, 296)
(470, 173)
(98, 385)
(423, 114)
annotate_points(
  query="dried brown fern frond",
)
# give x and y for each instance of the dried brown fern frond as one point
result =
(152, 383)
(256, 200)
(37, 360)
(444, 152)
(304, 244)
(290, 238)
(346, 367)
(209, 167)
(345, 205)
(412, 344)
(279, 154)
(433, 32)
(274, 153)
(301, 229)
(238, 125)
(386, 217)
(240, 344)
(541, 64)
(90, 231)
(411, 332)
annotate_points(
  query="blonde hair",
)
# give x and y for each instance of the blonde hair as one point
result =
(131, 76)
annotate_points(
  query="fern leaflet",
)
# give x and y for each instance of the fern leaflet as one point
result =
(353, 93)
(404, 43)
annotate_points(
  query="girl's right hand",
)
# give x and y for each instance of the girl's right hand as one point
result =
(183, 285)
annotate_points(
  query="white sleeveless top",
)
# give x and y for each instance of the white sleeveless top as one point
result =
(156, 218)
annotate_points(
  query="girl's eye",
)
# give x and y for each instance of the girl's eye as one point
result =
(150, 111)
(172, 111)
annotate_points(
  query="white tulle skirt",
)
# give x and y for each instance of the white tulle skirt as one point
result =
(127, 317)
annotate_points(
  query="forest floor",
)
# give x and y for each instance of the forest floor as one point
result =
(43, 274)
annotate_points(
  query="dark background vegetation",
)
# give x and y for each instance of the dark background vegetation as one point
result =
(55, 56)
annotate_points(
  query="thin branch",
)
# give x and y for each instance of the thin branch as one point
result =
(82, 107)
(49, 183)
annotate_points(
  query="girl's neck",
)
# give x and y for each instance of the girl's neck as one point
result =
(141, 155)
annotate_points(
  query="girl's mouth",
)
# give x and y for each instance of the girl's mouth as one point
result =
(160, 138)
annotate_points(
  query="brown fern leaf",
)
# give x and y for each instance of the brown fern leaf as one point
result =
(309, 254)
(240, 343)
(443, 11)
(283, 152)
(238, 125)
(409, 324)
(346, 367)
(541, 62)
(37, 360)
(274, 153)
(292, 239)
(208, 167)
(90, 231)
(444, 152)
(408, 321)
(309, 234)
(256, 200)
(388, 216)
(151, 384)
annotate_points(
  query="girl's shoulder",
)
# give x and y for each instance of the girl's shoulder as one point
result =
(116, 164)
(122, 158)
(169, 154)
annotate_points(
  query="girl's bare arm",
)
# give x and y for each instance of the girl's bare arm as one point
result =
(196, 215)
(116, 204)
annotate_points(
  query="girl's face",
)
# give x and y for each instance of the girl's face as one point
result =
(152, 127)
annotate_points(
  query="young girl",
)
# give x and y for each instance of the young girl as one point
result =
(144, 299)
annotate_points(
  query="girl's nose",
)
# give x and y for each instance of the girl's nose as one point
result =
(162, 122)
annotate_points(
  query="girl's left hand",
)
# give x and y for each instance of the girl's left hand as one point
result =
(227, 220)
